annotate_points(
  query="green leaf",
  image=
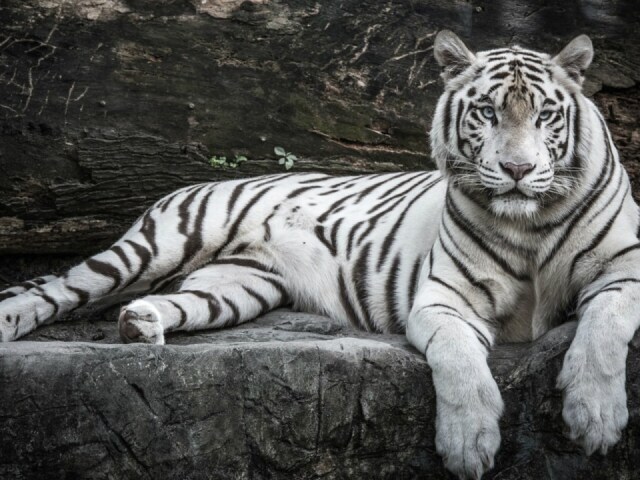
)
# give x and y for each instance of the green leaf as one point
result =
(279, 151)
(291, 157)
(240, 158)
(281, 161)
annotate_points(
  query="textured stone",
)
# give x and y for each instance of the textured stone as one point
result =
(288, 396)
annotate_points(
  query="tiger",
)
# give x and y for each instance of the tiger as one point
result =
(528, 220)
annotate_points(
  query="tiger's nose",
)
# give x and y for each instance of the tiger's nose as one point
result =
(517, 170)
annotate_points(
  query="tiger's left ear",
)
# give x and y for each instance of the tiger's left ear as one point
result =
(576, 57)
(451, 53)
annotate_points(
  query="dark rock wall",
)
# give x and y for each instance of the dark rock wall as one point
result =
(106, 105)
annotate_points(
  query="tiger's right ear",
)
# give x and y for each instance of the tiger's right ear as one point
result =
(452, 54)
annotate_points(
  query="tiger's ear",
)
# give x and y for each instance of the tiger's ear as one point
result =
(576, 57)
(451, 53)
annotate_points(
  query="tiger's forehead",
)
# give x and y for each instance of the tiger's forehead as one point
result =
(516, 79)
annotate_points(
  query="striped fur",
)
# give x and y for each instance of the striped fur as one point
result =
(530, 218)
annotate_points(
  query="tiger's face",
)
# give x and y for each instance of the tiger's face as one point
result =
(507, 124)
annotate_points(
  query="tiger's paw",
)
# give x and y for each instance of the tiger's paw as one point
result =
(19, 316)
(140, 322)
(8, 328)
(594, 410)
(467, 439)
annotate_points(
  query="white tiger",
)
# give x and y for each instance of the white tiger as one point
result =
(530, 218)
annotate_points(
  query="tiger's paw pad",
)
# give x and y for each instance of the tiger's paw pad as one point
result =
(139, 322)
(467, 441)
(595, 412)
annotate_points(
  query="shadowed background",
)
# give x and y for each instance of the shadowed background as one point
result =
(107, 105)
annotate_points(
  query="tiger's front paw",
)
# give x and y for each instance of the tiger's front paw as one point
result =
(594, 406)
(468, 438)
(140, 322)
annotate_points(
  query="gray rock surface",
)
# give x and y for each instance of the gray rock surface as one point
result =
(288, 396)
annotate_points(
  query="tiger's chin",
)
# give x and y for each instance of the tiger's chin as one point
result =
(514, 206)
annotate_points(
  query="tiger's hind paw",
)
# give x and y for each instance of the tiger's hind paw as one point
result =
(140, 322)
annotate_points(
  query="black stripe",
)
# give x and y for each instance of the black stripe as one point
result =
(145, 259)
(183, 314)
(284, 296)
(583, 205)
(624, 251)
(447, 117)
(301, 190)
(212, 302)
(453, 289)
(148, 231)
(346, 302)
(360, 281)
(264, 305)
(466, 227)
(119, 251)
(465, 271)
(241, 216)
(270, 179)
(50, 300)
(106, 270)
(599, 237)
(183, 212)
(234, 310)
(422, 178)
(391, 236)
(233, 198)
(604, 289)
(391, 285)
(374, 220)
(499, 76)
(460, 141)
(352, 236)
(334, 205)
(192, 246)
(583, 210)
(482, 338)
(323, 178)
(333, 236)
(319, 231)
(242, 262)
(83, 295)
(413, 281)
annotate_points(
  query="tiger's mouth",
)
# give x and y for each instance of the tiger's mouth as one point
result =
(514, 194)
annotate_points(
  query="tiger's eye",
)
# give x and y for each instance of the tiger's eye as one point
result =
(545, 115)
(488, 112)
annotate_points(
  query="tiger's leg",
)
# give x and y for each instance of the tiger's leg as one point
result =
(25, 286)
(227, 292)
(456, 342)
(161, 244)
(594, 370)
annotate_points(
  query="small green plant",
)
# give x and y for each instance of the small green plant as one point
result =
(223, 162)
(285, 158)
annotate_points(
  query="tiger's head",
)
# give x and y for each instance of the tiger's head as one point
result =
(507, 127)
